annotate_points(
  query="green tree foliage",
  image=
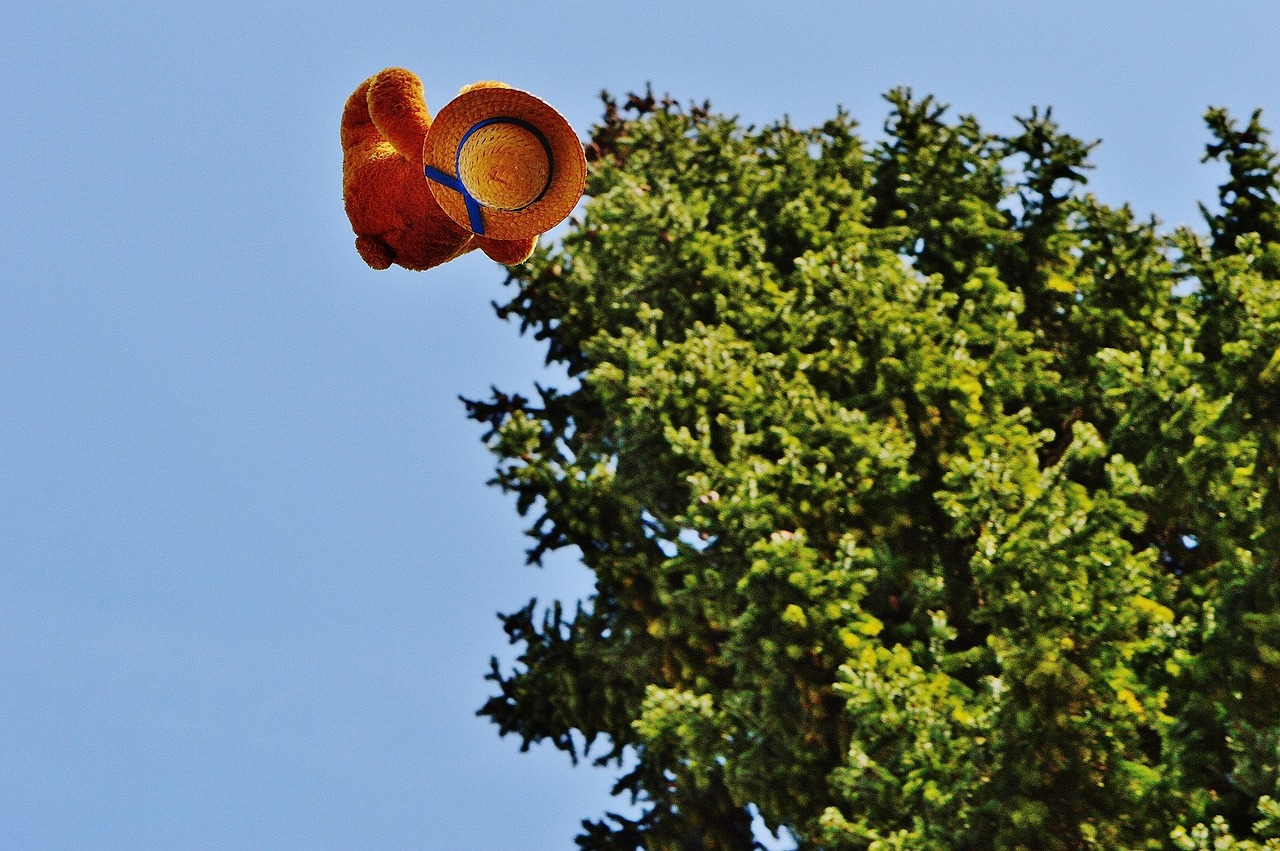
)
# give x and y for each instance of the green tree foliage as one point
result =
(932, 503)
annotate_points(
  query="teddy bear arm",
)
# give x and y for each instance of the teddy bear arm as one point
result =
(507, 251)
(399, 110)
(357, 126)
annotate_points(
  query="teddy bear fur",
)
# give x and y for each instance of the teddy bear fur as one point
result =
(394, 215)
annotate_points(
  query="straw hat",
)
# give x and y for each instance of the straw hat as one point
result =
(503, 163)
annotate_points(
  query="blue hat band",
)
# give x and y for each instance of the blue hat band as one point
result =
(473, 206)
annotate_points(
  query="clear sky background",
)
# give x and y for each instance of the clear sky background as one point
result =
(249, 564)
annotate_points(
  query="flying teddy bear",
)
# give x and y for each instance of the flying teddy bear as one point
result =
(496, 168)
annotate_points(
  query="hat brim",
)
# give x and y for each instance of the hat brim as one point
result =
(568, 161)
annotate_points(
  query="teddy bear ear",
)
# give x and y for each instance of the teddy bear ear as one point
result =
(483, 84)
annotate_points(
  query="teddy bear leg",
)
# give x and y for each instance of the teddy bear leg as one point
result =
(507, 251)
(374, 251)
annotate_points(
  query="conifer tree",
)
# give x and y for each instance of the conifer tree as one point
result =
(932, 503)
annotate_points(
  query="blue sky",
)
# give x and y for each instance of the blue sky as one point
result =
(248, 562)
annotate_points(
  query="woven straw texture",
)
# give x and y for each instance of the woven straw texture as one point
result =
(504, 166)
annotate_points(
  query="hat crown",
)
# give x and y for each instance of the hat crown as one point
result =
(504, 165)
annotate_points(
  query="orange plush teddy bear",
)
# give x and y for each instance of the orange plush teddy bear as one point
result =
(494, 169)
